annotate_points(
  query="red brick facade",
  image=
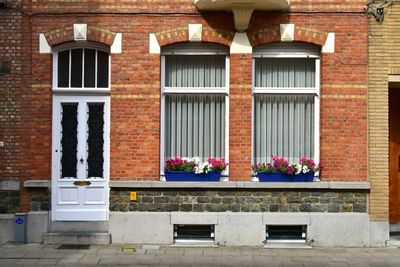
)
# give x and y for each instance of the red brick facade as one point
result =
(135, 82)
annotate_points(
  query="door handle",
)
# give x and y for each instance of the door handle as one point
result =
(82, 183)
(81, 160)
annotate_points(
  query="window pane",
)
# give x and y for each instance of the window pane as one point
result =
(195, 71)
(102, 69)
(63, 68)
(76, 67)
(195, 126)
(90, 67)
(284, 127)
(69, 140)
(95, 142)
(284, 72)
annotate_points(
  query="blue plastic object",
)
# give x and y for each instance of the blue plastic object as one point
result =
(192, 177)
(280, 177)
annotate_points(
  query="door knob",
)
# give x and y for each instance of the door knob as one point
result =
(82, 160)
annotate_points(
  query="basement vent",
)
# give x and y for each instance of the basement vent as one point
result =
(193, 233)
(286, 233)
(5, 66)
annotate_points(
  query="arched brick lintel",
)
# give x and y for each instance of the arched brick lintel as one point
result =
(66, 34)
(181, 34)
(272, 34)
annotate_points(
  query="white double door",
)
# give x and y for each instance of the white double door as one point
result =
(80, 158)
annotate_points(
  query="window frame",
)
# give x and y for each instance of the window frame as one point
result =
(293, 53)
(197, 50)
(82, 89)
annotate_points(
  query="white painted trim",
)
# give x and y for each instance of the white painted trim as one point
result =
(285, 90)
(56, 131)
(44, 47)
(195, 90)
(241, 44)
(209, 90)
(393, 78)
(154, 47)
(274, 55)
(317, 112)
(292, 90)
(195, 32)
(287, 32)
(329, 46)
(116, 47)
(82, 45)
(82, 89)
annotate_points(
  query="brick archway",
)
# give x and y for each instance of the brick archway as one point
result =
(181, 34)
(66, 34)
(272, 34)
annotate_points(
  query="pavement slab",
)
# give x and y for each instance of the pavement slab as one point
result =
(154, 255)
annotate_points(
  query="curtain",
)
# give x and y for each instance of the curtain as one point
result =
(195, 71)
(285, 72)
(195, 125)
(284, 126)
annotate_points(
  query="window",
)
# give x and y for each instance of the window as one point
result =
(83, 67)
(194, 102)
(286, 102)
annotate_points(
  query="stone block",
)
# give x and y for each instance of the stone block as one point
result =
(6, 228)
(37, 225)
(348, 230)
(236, 229)
(141, 228)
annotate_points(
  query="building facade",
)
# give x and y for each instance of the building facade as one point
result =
(113, 90)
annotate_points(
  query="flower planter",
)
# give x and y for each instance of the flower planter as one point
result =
(280, 177)
(192, 177)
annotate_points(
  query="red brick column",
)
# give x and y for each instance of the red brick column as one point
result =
(240, 117)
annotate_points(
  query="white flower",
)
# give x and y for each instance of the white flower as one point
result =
(305, 169)
(204, 167)
(298, 169)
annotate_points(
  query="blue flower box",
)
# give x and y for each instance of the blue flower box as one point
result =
(192, 177)
(280, 177)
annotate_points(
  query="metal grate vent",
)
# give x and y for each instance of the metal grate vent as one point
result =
(193, 233)
(286, 233)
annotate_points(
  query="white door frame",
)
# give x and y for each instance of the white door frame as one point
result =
(97, 210)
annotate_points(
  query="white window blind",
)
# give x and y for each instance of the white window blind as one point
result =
(195, 125)
(195, 87)
(284, 126)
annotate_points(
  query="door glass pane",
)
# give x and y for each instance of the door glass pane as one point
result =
(284, 127)
(284, 72)
(195, 126)
(69, 140)
(90, 67)
(102, 69)
(63, 68)
(76, 67)
(95, 141)
(195, 71)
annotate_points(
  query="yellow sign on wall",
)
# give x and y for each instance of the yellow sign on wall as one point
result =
(132, 196)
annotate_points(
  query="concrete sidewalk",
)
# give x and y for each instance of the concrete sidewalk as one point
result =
(112, 255)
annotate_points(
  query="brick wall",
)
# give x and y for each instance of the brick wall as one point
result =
(384, 59)
(11, 92)
(135, 92)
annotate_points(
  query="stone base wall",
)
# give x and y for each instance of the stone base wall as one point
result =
(271, 200)
(9, 201)
(40, 199)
